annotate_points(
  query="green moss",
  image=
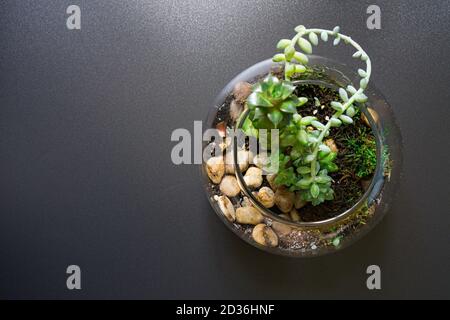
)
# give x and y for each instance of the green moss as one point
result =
(362, 153)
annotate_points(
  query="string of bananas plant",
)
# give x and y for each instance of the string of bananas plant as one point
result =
(273, 104)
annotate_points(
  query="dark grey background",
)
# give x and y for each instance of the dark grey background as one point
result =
(85, 170)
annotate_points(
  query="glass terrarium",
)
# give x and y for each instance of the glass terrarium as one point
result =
(289, 225)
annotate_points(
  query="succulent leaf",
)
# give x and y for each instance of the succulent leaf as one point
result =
(343, 94)
(275, 117)
(313, 38)
(301, 57)
(289, 106)
(283, 43)
(258, 99)
(305, 45)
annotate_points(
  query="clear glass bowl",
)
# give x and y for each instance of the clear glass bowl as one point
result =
(325, 236)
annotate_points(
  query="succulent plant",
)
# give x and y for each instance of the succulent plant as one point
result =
(272, 103)
(296, 168)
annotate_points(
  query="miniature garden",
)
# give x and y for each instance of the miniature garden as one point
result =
(326, 151)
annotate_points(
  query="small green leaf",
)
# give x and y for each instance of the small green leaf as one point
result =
(295, 154)
(283, 43)
(304, 170)
(301, 101)
(289, 52)
(307, 120)
(351, 89)
(324, 148)
(287, 90)
(329, 195)
(276, 91)
(303, 183)
(289, 106)
(305, 45)
(317, 124)
(299, 68)
(336, 29)
(346, 119)
(312, 139)
(287, 140)
(316, 102)
(364, 57)
(275, 117)
(357, 55)
(300, 57)
(302, 137)
(257, 87)
(259, 114)
(258, 99)
(336, 41)
(363, 83)
(361, 98)
(350, 111)
(290, 69)
(264, 86)
(314, 133)
(323, 179)
(310, 158)
(278, 57)
(271, 80)
(317, 167)
(343, 94)
(322, 155)
(337, 106)
(337, 241)
(335, 122)
(263, 123)
(315, 191)
(249, 129)
(362, 73)
(300, 28)
(329, 158)
(313, 38)
(324, 36)
(331, 167)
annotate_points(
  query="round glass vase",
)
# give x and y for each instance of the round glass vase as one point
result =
(304, 239)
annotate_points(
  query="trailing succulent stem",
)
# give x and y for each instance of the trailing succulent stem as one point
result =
(273, 104)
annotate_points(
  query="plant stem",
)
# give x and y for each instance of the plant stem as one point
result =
(352, 99)
(293, 42)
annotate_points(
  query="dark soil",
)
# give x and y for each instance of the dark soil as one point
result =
(347, 186)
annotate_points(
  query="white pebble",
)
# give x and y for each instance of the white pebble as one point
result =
(248, 215)
(215, 168)
(229, 186)
(253, 177)
(264, 235)
(226, 207)
(284, 199)
(266, 196)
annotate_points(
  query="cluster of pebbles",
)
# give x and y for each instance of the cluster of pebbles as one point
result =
(221, 172)
(265, 231)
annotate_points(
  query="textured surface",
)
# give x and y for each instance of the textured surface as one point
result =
(86, 176)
